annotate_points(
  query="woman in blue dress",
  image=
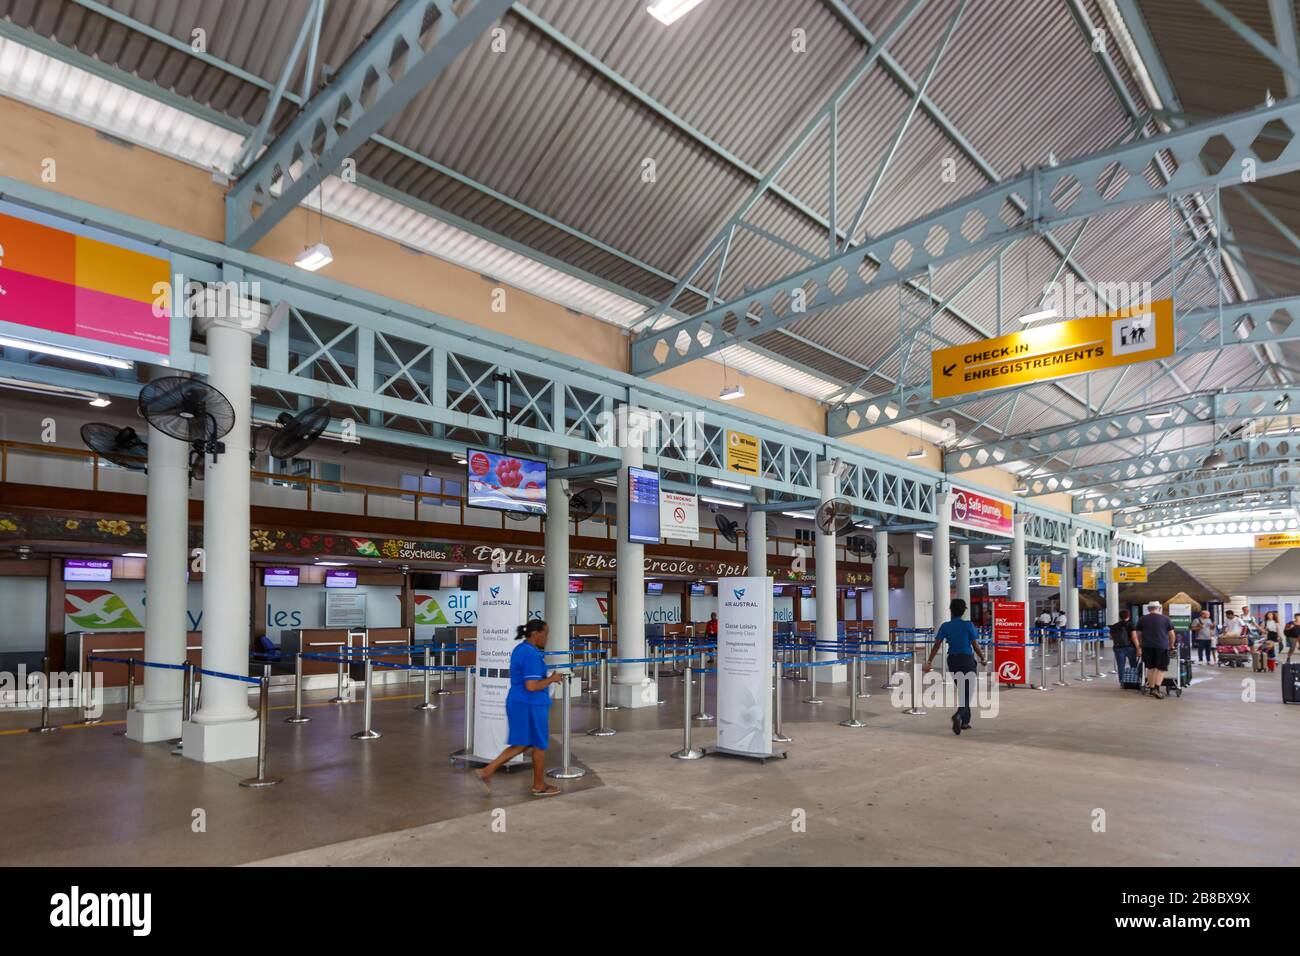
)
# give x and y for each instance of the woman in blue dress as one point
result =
(528, 708)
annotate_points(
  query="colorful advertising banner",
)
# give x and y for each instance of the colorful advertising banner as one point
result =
(742, 454)
(1055, 351)
(502, 606)
(1180, 615)
(61, 280)
(1010, 656)
(1132, 575)
(679, 516)
(505, 482)
(969, 509)
(745, 666)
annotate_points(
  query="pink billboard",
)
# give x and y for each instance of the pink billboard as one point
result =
(977, 512)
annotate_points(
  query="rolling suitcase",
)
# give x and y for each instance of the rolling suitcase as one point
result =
(1291, 683)
(1130, 678)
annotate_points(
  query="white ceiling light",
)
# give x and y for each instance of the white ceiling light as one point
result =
(916, 453)
(721, 501)
(668, 12)
(1158, 415)
(731, 392)
(927, 537)
(808, 515)
(135, 554)
(723, 483)
(314, 257)
(99, 401)
(331, 564)
(78, 355)
(1040, 314)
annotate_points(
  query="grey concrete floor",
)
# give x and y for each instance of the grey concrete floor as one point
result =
(1203, 780)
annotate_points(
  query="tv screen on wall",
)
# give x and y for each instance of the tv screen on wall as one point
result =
(642, 506)
(81, 569)
(340, 579)
(279, 577)
(505, 482)
(654, 587)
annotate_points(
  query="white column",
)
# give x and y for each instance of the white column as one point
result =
(824, 553)
(225, 727)
(157, 713)
(630, 685)
(1071, 588)
(1020, 569)
(556, 541)
(942, 585)
(963, 575)
(880, 591)
(1112, 586)
(756, 538)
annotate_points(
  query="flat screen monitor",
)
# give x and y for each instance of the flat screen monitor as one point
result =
(505, 482)
(778, 590)
(84, 569)
(575, 585)
(806, 592)
(340, 579)
(654, 587)
(279, 577)
(643, 506)
(699, 589)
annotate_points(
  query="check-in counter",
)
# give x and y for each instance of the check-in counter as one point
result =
(319, 640)
(79, 646)
(378, 637)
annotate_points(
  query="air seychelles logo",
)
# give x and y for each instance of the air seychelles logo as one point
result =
(98, 610)
(428, 611)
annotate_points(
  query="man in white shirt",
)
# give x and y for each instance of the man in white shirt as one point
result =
(1231, 635)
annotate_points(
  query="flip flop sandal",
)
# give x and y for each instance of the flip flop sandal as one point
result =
(487, 790)
(548, 792)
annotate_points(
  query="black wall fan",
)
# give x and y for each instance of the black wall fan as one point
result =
(585, 504)
(122, 446)
(291, 435)
(190, 411)
(726, 527)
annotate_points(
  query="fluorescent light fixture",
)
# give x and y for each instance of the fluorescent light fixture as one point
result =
(668, 12)
(993, 547)
(723, 483)
(579, 575)
(100, 402)
(331, 564)
(78, 355)
(1040, 314)
(1020, 490)
(135, 554)
(315, 257)
(798, 514)
(916, 453)
(607, 481)
(1158, 415)
(466, 571)
(925, 535)
(726, 503)
(730, 392)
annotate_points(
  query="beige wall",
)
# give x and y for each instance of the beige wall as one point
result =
(142, 183)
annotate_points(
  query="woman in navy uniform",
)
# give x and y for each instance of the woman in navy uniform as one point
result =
(528, 707)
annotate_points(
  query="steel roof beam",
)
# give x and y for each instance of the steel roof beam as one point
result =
(366, 95)
(1203, 508)
(1273, 478)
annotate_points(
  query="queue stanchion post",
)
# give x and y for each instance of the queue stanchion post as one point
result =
(703, 713)
(778, 735)
(45, 727)
(367, 732)
(88, 699)
(566, 770)
(442, 670)
(658, 656)
(263, 718)
(812, 697)
(1060, 664)
(853, 697)
(297, 717)
(607, 694)
(344, 683)
(688, 751)
(427, 703)
(1096, 658)
(602, 686)
(466, 752)
(130, 691)
(187, 706)
(916, 710)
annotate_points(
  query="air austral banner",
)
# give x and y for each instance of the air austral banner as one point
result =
(1061, 349)
(745, 666)
(502, 607)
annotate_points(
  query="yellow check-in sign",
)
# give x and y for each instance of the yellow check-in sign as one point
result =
(1055, 351)
(1288, 539)
(1131, 575)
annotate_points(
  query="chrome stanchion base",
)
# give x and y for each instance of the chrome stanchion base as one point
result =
(915, 712)
(340, 700)
(781, 739)
(253, 783)
(367, 735)
(297, 719)
(813, 700)
(612, 707)
(87, 721)
(566, 773)
(704, 718)
(601, 732)
(695, 753)
(443, 692)
(424, 706)
(852, 722)
(42, 730)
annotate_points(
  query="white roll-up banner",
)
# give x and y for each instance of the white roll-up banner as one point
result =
(745, 666)
(502, 607)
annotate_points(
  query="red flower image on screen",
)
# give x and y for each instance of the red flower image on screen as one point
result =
(505, 482)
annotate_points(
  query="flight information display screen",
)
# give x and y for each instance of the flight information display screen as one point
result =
(642, 506)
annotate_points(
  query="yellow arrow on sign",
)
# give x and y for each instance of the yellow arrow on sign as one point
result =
(1141, 334)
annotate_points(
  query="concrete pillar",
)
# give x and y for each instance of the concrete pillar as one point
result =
(824, 552)
(630, 685)
(880, 590)
(942, 586)
(1020, 568)
(225, 727)
(963, 575)
(756, 538)
(1071, 588)
(555, 609)
(1112, 586)
(157, 713)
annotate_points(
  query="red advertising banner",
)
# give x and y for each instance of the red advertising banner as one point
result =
(969, 509)
(1009, 629)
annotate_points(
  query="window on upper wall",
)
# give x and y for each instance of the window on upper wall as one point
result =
(325, 471)
(431, 485)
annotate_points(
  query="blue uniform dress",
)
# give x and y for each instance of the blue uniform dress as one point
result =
(528, 712)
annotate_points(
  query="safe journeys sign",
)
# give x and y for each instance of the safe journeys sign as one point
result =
(745, 666)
